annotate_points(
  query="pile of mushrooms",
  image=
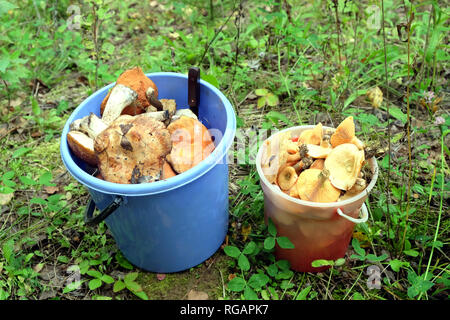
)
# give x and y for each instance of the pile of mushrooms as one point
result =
(139, 139)
(319, 165)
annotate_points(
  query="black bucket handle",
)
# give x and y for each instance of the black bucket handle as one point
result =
(92, 220)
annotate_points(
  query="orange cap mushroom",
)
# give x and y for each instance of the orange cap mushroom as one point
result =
(314, 185)
(318, 152)
(345, 133)
(311, 136)
(344, 163)
(287, 177)
(136, 80)
(191, 143)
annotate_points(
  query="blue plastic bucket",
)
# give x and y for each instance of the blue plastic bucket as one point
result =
(174, 224)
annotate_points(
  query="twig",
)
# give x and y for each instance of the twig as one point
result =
(388, 195)
(408, 128)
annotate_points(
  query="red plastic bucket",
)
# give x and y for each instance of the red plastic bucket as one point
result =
(317, 230)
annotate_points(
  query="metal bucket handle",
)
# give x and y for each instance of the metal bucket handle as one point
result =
(365, 215)
(89, 218)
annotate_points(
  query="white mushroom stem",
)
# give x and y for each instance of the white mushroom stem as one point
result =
(158, 115)
(121, 96)
(92, 125)
(183, 112)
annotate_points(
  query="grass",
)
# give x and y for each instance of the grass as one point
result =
(280, 66)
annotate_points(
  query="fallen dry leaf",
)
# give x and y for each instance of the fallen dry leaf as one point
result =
(231, 276)
(197, 295)
(51, 190)
(160, 276)
(5, 198)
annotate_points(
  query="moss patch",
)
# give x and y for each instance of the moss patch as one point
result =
(205, 277)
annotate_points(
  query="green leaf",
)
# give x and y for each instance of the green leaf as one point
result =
(8, 175)
(4, 63)
(283, 264)
(63, 259)
(107, 279)
(210, 79)
(95, 274)
(249, 248)
(339, 262)
(243, 263)
(272, 100)
(232, 251)
(123, 262)
(6, 190)
(108, 47)
(236, 284)
(94, 284)
(6, 6)
(261, 92)
(38, 201)
(133, 286)
(8, 250)
(20, 152)
(269, 243)
(271, 228)
(118, 286)
(35, 106)
(411, 252)
(419, 285)
(45, 179)
(321, 263)
(249, 294)
(397, 264)
(358, 296)
(72, 286)
(398, 114)
(141, 294)
(272, 270)
(303, 294)
(357, 248)
(275, 117)
(258, 280)
(131, 277)
(285, 243)
(261, 102)
(27, 181)
(374, 258)
(353, 96)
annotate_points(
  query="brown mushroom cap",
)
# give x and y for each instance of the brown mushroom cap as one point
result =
(344, 163)
(82, 146)
(311, 186)
(311, 136)
(287, 177)
(345, 133)
(191, 143)
(132, 149)
(134, 79)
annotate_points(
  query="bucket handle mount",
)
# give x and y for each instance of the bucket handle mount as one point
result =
(89, 218)
(365, 215)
